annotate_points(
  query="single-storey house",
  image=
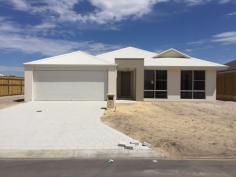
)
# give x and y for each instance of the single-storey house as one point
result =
(128, 73)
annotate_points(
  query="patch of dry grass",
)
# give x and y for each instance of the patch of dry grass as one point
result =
(181, 129)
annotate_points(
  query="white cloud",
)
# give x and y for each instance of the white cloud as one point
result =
(4, 69)
(13, 27)
(49, 47)
(14, 37)
(105, 11)
(7, 26)
(199, 2)
(198, 42)
(231, 14)
(188, 50)
(111, 11)
(225, 38)
(27, 40)
(20, 4)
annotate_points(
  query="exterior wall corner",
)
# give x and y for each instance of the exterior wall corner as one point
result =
(112, 77)
(173, 84)
(210, 85)
(28, 74)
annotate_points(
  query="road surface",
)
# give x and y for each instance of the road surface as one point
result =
(118, 168)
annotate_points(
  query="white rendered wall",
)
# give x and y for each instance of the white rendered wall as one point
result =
(28, 84)
(112, 78)
(210, 85)
(174, 81)
(173, 84)
(29, 76)
(70, 85)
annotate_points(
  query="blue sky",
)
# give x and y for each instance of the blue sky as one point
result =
(31, 29)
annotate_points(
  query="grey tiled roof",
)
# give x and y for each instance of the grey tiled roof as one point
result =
(231, 64)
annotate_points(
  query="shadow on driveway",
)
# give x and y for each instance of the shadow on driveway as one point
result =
(8, 101)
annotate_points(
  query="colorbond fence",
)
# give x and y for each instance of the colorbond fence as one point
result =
(11, 86)
(226, 85)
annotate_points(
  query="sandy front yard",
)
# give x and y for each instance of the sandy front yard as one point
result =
(180, 129)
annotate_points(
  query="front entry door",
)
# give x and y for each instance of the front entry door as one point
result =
(124, 84)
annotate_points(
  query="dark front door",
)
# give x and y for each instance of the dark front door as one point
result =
(124, 84)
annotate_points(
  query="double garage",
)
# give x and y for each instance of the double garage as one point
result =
(66, 85)
(75, 76)
(69, 85)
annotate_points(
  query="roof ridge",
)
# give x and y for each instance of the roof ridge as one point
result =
(76, 56)
(129, 47)
(48, 58)
(95, 57)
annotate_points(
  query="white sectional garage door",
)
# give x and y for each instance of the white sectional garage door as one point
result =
(70, 85)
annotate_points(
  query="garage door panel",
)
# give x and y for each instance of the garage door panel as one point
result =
(70, 76)
(70, 85)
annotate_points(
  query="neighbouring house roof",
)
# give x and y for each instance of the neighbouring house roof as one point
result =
(126, 53)
(74, 58)
(2, 75)
(231, 65)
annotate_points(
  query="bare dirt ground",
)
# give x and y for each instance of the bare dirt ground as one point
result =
(180, 129)
(7, 101)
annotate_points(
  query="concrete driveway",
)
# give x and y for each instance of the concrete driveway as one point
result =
(62, 125)
(7, 101)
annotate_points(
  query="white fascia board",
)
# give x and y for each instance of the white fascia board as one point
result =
(186, 67)
(73, 65)
(129, 58)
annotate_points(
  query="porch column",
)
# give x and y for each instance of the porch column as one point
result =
(173, 84)
(112, 77)
(28, 91)
(210, 85)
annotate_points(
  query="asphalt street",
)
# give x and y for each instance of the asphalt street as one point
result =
(117, 168)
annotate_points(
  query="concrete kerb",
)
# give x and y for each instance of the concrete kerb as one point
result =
(81, 153)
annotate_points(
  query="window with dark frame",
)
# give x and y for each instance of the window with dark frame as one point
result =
(192, 84)
(155, 84)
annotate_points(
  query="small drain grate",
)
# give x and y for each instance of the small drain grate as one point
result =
(39, 111)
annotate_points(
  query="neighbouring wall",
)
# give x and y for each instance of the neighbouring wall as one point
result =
(226, 85)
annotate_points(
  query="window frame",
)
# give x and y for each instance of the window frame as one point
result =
(155, 88)
(192, 91)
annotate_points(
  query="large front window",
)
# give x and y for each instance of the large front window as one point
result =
(155, 84)
(193, 84)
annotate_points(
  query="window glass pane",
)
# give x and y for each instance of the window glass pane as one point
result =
(161, 85)
(149, 80)
(160, 94)
(199, 85)
(186, 80)
(186, 95)
(148, 94)
(161, 75)
(199, 95)
(199, 75)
